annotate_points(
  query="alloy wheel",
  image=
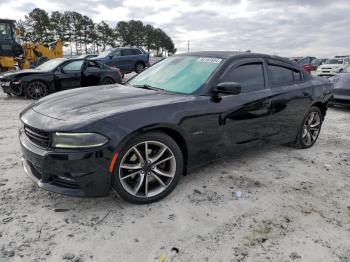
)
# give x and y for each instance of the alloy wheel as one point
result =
(311, 128)
(36, 90)
(147, 169)
(139, 68)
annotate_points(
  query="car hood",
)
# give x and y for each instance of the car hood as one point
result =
(91, 102)
(14, 73)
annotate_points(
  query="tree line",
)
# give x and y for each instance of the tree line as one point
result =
(82, 35)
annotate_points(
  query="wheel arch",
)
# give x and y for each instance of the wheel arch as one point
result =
(50, 90)
(321, 106)
(168, 129)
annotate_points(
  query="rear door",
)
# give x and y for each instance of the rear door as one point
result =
(289, 100)
(246, 116)
(128, 58)
(91, 74)
(69, 75)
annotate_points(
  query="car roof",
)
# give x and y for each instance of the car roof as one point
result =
(234, 54)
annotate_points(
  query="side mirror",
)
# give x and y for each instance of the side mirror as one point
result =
(228, 88)
(110, 56)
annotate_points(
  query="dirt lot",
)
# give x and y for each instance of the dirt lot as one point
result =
(294, 207)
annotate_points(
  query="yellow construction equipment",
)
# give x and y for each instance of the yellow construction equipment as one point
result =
(13, 55)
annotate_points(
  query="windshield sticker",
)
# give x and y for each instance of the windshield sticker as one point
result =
(209, 60)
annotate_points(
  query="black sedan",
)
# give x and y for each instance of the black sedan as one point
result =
(341, 92)
(57, 75)
(181, 113)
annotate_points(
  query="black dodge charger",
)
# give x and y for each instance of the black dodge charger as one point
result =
(181, 113)
(57, 75)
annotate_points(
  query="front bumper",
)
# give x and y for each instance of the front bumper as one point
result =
(74, 173)
(6, 88)
(325, 73)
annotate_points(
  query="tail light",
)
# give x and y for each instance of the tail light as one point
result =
(118, 70)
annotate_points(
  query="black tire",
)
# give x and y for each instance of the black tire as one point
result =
(139, 67)
(303, 139)
(36, 90)
(150, 137)
(107, 81)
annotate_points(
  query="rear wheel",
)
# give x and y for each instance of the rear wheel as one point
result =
(310, 129)
(148, 168)
(36, 90)
(108, 81)
(139, 67)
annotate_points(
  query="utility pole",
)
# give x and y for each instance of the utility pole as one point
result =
(188, 46)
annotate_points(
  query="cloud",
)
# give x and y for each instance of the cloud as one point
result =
(288, 27)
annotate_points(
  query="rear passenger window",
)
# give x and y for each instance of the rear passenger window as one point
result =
(136, 52)
(297, 77)
(250, 76)
(281, 75)
(127, 52)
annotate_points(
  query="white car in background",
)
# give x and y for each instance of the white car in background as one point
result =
(332, 66)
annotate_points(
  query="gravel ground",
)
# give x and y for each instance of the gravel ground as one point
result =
(294, 207)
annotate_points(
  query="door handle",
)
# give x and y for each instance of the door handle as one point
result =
(266, 103)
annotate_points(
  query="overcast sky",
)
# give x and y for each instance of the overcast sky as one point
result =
(284, 27)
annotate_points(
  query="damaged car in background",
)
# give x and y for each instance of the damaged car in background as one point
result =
(341, 92)
(57, 75)
(181, 113)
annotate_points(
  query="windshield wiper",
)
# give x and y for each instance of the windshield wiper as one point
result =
(146, 86)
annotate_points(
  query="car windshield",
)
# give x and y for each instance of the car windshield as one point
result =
(180, 74)
(50, 65)
(5, 31)
(103, 54)
(316, 61)
(334, 61)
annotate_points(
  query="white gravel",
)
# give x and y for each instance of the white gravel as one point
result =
(294, 207)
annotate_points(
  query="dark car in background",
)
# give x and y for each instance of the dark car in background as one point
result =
(126, 59)
(317, 62)
(184, 111)
(57, 75)
(341, 92)
(305, 62)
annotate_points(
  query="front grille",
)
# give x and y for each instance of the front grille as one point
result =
(37, 137)
(65, 182)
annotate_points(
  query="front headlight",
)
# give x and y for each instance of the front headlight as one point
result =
(78, 140)
(16, 82)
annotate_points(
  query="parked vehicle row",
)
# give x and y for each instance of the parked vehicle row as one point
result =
(322, 66)
(86, 70)
(183, 112)
(332, 66)
(57, 75)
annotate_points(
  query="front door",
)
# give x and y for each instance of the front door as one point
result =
(245, 117)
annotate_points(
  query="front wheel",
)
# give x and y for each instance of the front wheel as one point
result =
(310, 129)
(148, 168)
(36, 90)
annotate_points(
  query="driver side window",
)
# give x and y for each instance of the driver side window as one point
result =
(250, 76)
(73, 66)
